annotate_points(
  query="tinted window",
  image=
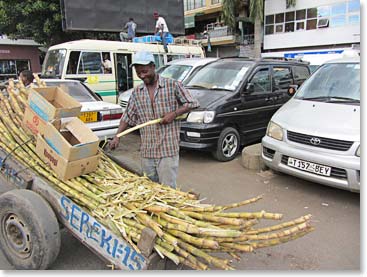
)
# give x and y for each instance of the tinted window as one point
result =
(261, 81)
(282, 78)
(300, 73)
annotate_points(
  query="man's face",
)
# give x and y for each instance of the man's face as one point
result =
(146, 73)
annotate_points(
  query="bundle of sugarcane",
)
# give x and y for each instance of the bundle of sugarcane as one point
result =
(188, 231)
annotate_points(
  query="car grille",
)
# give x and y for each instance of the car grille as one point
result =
(334, 144)
(269, 153)
(335, 172)
(123, 103)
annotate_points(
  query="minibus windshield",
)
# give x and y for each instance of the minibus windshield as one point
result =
(54, 63)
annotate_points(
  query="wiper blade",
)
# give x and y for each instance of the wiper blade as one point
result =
(331, 99)
(196, 86)
(219, 88)
(318, 98)
(343, 99)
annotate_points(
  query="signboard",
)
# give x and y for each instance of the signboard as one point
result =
(189, 21)
(111, 15)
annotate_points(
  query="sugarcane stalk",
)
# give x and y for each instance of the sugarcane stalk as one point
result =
(253, 215)
(280, 226)
(148, 123)
(200, 242)
(219, 219)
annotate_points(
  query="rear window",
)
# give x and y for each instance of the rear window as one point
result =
(75, 89)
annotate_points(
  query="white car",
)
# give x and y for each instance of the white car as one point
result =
(101, 117)
(316, 134)
(179, 70)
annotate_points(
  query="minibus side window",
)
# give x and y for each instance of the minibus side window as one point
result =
(158, 58)
(90, 63)
(73, 62)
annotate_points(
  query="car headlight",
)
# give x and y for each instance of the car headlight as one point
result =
(274, 131)
(201, 117)
(358, 152)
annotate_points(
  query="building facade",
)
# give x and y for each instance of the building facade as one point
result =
(18, 55)
(203, 20)
(315, 30)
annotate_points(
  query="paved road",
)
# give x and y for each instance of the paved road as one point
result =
(334, 245)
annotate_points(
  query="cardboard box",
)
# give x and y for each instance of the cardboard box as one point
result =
(53, 103)
(64, 169)
(33, 124)
(73, 141)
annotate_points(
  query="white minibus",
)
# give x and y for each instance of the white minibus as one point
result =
(104, 65)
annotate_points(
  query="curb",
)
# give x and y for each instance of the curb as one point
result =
(251, 157)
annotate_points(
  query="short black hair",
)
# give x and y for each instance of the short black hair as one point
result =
(131, 19)
(28, 75)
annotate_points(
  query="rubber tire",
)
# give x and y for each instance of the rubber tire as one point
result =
(218, 153)
(39, 222)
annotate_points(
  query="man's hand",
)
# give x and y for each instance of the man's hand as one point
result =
(114, 143)
(168, 118)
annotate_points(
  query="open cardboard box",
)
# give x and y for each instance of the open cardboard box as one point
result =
(34, 124)
(63, 168)
(53, 103)
(73, 141)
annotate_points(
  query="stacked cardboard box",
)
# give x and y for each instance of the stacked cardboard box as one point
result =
(70, 148)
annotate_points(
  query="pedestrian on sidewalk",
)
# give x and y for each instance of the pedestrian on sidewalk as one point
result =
(156, 97)
(161, 29)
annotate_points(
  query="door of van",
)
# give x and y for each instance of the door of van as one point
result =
(124, 74)
(257, 104)
(281, 80)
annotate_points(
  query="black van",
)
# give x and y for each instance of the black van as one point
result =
(237, 98)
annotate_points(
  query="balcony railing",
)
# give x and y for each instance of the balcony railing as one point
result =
(248, 39)
(218, 30)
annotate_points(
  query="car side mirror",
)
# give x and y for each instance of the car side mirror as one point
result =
(292, 89)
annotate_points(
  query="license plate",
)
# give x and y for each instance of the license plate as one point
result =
(310, 167)
(87, 117)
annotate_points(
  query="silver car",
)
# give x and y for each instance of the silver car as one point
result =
(179, 70)
(316, 134)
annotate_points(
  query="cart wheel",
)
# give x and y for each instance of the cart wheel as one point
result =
(29, 231)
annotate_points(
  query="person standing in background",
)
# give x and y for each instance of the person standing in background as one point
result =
(161, 29)
(26, 76)
(131, 30)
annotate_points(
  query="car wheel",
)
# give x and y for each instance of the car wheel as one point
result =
(29, 230)
(228, 145)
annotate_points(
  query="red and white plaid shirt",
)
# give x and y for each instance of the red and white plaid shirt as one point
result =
(159, 140)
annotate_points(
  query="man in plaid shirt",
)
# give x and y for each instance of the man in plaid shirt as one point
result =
(157, 97)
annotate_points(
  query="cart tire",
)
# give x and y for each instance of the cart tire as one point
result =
(29, 231)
